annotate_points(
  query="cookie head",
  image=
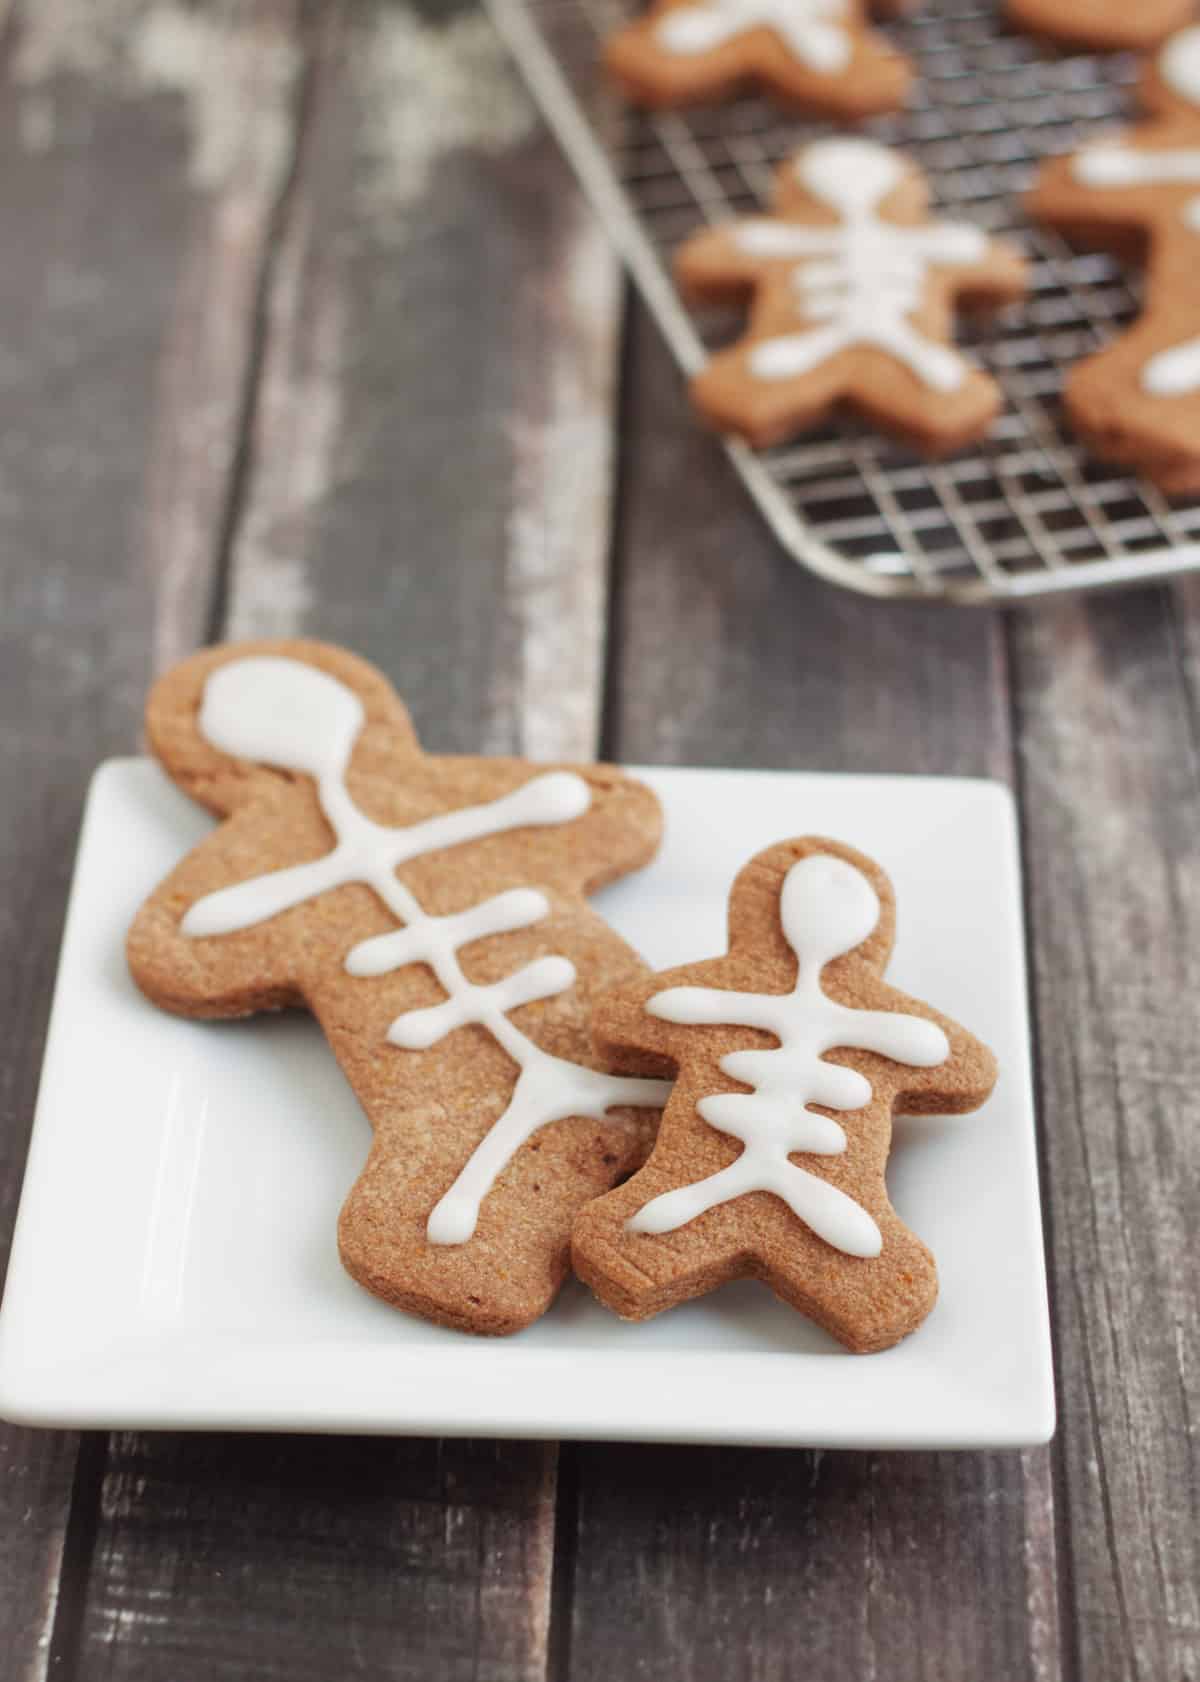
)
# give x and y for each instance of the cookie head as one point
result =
(853, 178)
(231, 724)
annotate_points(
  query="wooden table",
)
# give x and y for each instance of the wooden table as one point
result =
(307, 330)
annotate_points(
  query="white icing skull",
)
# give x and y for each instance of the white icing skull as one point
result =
(281, 712)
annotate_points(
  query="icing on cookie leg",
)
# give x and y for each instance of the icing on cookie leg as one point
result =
(852, 288)
(751, 1174)
(477, 827)
(1138, 401)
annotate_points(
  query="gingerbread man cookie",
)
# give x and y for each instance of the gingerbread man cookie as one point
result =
(1107, 25)
(792, 1053)
(1137, 401)
(815, 53)
(853, 291)
(430, 913)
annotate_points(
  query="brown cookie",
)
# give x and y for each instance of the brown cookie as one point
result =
(818, 54)
(1137, 402)
(430, 913)
(751, 1174)
(854, 288)
(1108, 25)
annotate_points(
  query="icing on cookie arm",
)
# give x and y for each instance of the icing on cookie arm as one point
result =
(715, 264)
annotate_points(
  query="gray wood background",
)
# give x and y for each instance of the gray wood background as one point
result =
(304, 328)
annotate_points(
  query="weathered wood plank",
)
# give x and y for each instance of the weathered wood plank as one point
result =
(426, 480)
(134, 229)
(432, 453)
(1107, 729)
(772, 1565)
(263, 1558)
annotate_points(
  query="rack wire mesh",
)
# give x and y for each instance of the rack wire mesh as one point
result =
(1025, 514)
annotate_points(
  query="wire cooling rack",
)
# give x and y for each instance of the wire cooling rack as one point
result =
(1026, 514)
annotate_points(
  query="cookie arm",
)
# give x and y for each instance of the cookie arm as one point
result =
(999, 277)
(960, 1084)
(711, 266)
(1106, 211)
(228, 975)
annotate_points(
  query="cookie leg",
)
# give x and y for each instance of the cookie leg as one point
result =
(1107, 25)
(764, 412)
(935, 422)
(867, 1304)
(638, 1275)
(510, 1270)
(1123, 422)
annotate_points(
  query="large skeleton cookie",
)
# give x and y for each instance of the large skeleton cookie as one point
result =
(815, 53)
(792, 1053)
(1138, 400)
(1109, 25)
(430, 913)
(854, 288)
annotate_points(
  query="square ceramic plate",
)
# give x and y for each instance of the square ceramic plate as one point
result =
(174, 1262)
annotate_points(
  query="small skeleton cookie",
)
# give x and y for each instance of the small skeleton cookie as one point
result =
(1109, 25)
(814, 53)
(752, 1174)
(1137, 401)
(854, 288)
(430, 913)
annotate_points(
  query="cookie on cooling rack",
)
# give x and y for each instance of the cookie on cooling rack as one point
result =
(853, 287)
(791, 1053)
(1106, 25)
(1137, 402)
(430, 913)
(818, 54)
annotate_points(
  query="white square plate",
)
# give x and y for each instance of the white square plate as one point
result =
(174, 1263)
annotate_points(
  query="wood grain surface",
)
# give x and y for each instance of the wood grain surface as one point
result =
(307, 329)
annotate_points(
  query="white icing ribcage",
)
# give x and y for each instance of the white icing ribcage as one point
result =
(813, 30)
(827, 908)
(286, 713)
(858, 282)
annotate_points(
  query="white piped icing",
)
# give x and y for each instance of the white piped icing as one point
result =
(827, 908)
(815, 31)
(1109, 164)
(1174, 372)
(862, 279)
(1179, 64)
(282, 712)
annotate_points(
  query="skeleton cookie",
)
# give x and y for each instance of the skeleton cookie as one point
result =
(1109, 25)
(430, 913)
(792, 1053)
(1138, 400)
(854, 288)
(815, 53)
